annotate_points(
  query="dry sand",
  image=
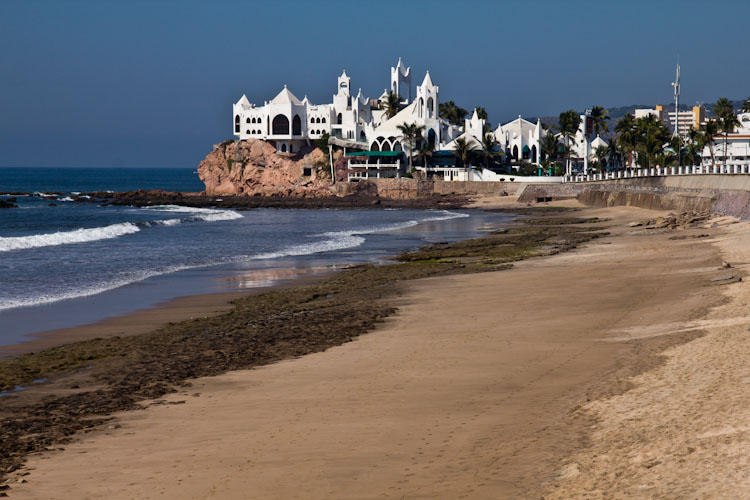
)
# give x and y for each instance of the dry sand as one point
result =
(477, 388)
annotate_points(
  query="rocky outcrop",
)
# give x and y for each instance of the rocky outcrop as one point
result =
(254, 168)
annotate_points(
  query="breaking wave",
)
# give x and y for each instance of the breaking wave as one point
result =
(67, 237)
(87, 235)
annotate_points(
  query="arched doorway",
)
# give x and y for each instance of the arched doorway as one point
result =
(280, 125)
(283, 148)
(296, 125)
(515, 152)
(533, 154)
(386, 146)
(374, 147)
(397, 146)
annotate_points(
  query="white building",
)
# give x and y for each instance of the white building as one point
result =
(356, 121)
(737, 149)
(521, 140)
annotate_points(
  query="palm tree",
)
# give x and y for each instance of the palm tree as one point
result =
(613, 151)
(695, 144)
(650, 137)
(550, 147)
(708, 131)
(488, 147)
(727, 120)
(411, 133)
(746, 106)
(464, 149)
(600, 155)
(599, 116)
(392, 104)
(569, 123)
(424, 151)
(481, 113)
(625, 130)
(454, 114)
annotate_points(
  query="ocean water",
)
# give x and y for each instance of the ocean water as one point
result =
(76, 263)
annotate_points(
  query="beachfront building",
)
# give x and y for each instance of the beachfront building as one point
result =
(737, 152)
(352, 121)
(685, 120)
(520, 140)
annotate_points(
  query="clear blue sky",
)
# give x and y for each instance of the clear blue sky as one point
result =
(149, 83)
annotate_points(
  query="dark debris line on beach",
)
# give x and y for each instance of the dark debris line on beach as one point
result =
(261, 329)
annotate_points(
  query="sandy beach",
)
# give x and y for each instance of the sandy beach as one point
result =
(507, 384)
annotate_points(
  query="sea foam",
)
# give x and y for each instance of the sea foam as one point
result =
(67, 237)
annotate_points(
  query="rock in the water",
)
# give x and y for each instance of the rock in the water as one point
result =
(254, 167)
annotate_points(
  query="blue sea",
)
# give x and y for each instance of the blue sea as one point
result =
(64, 264)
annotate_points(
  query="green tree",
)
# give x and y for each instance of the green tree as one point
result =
(411, 133)
(550, 148)
(695, 144)
(650, 137)
(613, 152)
(463, 149)
(392, 104)
(599, 117)
(727, 120)
(600, 156)
(709, 131)
(489, 143)
(424, 151)
(569, 123)
(453, 113)
(625, 130)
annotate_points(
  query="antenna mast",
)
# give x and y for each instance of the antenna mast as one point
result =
(676, 85)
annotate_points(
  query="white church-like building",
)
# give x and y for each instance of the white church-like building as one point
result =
(291, 124)
(359, 123)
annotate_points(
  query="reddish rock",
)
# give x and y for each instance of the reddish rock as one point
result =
(254, 168)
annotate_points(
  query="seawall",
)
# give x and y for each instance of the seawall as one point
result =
(723, 194)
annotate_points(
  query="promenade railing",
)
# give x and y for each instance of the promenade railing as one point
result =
(729, 169)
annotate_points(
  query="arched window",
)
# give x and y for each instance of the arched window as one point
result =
(420, 107)
(291, 148)
(362, 136)
(431, 136)
(533, 154)
(296, 125)
(397, 146)
(324, 120)
(430, 107)
(515, 152)
(338, 119)
(318, 121)
(247, 132)
(237, 124)
(374, 147)
(254, 119)
(385, 147)
(312, 119)
(259, 119)
(283, 146)
(280, 125)
(248, 120)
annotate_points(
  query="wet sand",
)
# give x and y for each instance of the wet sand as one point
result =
(477, 388)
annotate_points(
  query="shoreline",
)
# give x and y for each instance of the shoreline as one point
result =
(524, 451)
(542, 375)
(144, 320)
